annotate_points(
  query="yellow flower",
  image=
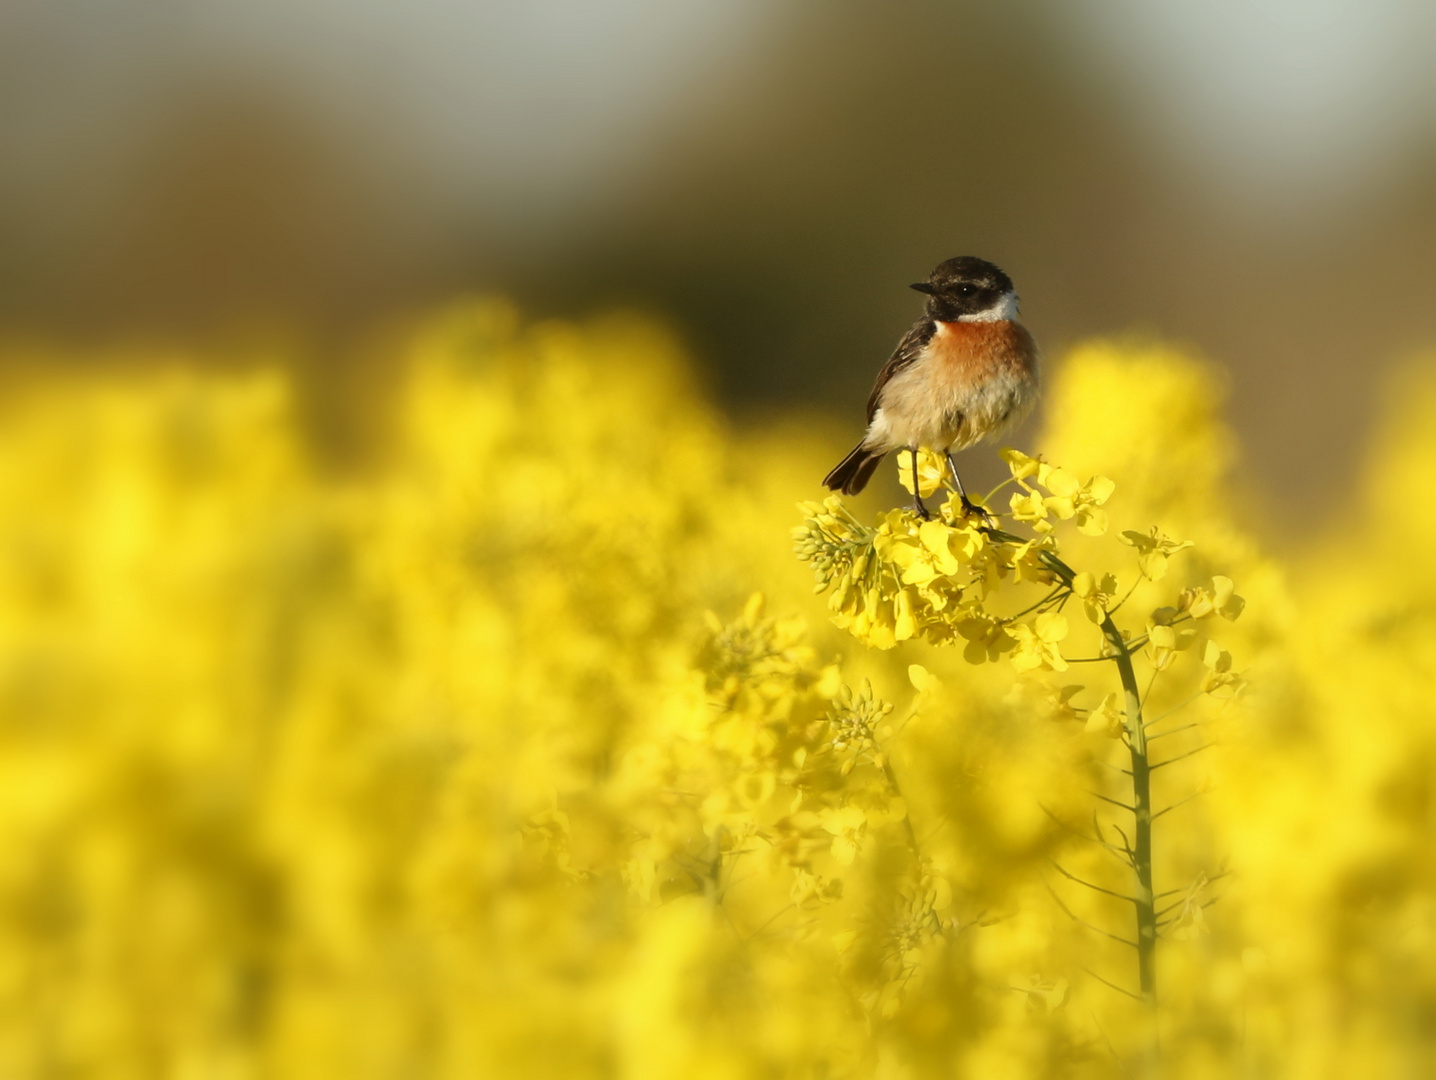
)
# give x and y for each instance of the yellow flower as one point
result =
(1221, 600)
(847, 825)
(1224, 599)
(967, 538)
(931, 471)
(1091, 518)
(1071, 499)
(1020, 464)
(1030, 507)
(1108, 718)
(1220, 676)
(1097, 596)
(1164, 641)
(1153, 550)
(923, 681)
(927, 555)
(987, 638)
(1037, 642)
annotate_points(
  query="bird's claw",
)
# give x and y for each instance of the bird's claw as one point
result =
(971, 509)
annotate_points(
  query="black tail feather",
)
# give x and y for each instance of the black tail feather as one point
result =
(854, 471)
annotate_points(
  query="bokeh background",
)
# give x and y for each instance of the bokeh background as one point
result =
(1255, 179)
(403, 409)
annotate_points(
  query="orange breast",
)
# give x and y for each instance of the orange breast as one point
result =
(968, 352)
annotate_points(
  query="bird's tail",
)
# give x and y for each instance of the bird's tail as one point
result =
(854, 471)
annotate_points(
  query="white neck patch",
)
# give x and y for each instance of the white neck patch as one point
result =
(1004, 310)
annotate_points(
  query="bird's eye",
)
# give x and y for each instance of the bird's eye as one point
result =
(966, 290)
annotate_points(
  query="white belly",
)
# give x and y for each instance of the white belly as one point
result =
(924, 406)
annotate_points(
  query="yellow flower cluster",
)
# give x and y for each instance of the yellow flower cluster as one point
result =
(940, 580)
(909, 578)
(442, 768)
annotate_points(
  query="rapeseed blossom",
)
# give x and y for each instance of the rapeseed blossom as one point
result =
(517, 758)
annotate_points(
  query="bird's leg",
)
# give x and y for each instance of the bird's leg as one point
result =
(917, 507)
(969, 507)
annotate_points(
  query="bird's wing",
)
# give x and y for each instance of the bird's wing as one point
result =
(908, 350)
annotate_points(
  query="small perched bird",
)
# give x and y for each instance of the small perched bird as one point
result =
(966, 370)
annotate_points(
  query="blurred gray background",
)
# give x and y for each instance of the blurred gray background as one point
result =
(1254, 178)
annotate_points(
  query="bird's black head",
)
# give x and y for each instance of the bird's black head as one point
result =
(970, 289)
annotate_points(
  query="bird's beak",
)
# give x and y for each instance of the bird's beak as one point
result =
(923, 286)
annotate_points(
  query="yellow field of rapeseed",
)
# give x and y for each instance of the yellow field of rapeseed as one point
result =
(531, 751)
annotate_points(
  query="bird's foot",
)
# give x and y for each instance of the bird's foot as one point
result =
(920, 510)
(970, 509)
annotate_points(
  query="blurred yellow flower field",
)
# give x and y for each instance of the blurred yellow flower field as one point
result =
(531, 752)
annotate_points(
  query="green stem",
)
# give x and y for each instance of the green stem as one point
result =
(1141, 854)
(1142, 811)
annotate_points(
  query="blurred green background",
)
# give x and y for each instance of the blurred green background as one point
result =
(1257, 179)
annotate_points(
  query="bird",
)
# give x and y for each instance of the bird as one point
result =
(965, 371)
